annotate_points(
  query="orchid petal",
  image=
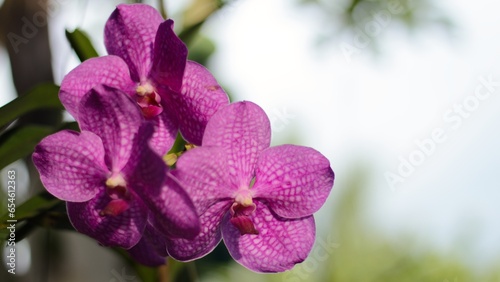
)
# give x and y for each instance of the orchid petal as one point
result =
(202, 171)
(207, 239)
(123, 230)
(199, 99)
(243, 130)
(169, 203)
(163, 139)
(174, 214)
(145, 170)
(113, 116)
(109, 70)
(169, 57)
(130, 33)
(151, 249)
(280, 244)
(293, 180)
(71, 165)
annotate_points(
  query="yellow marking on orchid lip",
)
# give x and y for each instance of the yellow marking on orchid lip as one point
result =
(247, 202)
(244, 199)
(144, 89)
(115, 181)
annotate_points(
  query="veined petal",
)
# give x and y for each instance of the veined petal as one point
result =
(202, 171)
(157, 241)
(123, 230)
(130, 33)
(198, 100)
(293, 180)
(113, 116)
(145, 170)
(71, 165)
(243, 130)
(151, 249)
(169, 57)
(207, 239)
(163, 139)
(173, 212)
(280, 244)
(109, 70)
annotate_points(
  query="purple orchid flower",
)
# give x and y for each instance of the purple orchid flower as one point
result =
(111, 179)
(149, 63)
(267, 226)
(151, 249)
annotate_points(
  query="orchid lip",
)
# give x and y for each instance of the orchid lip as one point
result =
(116, 189)
(241, 211)
(115, 207)
(148, 100)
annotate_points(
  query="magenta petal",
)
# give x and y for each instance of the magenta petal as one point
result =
(71, 165)
(280, 244)
(109, 70)
(169, 203)
(130, 33)
(202, 171)
(165, 133)
(151, 249)
(112, 115)
(145, 170)
(157, 241)
(169, 57)
(294, 180)
(173, 211)
(242, 129)
(124, 230)
(206, 241)
(199, 99)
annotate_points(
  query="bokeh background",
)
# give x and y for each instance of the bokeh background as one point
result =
(402, 96)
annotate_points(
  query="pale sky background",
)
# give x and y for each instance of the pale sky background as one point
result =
(368, 111)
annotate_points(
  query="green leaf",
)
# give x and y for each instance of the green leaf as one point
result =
(32, 208)
(42, 96)
(196, 15)
(19, 142)
(51, 218)
(201, 49)
(42, 210)
(80, 42)
(72, 125)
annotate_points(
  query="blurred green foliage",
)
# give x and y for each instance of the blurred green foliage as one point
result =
(352, 250)
(80, 42)
(348, 17)
(17, 141)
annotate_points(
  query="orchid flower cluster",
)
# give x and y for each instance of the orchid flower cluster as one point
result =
(232, 186)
